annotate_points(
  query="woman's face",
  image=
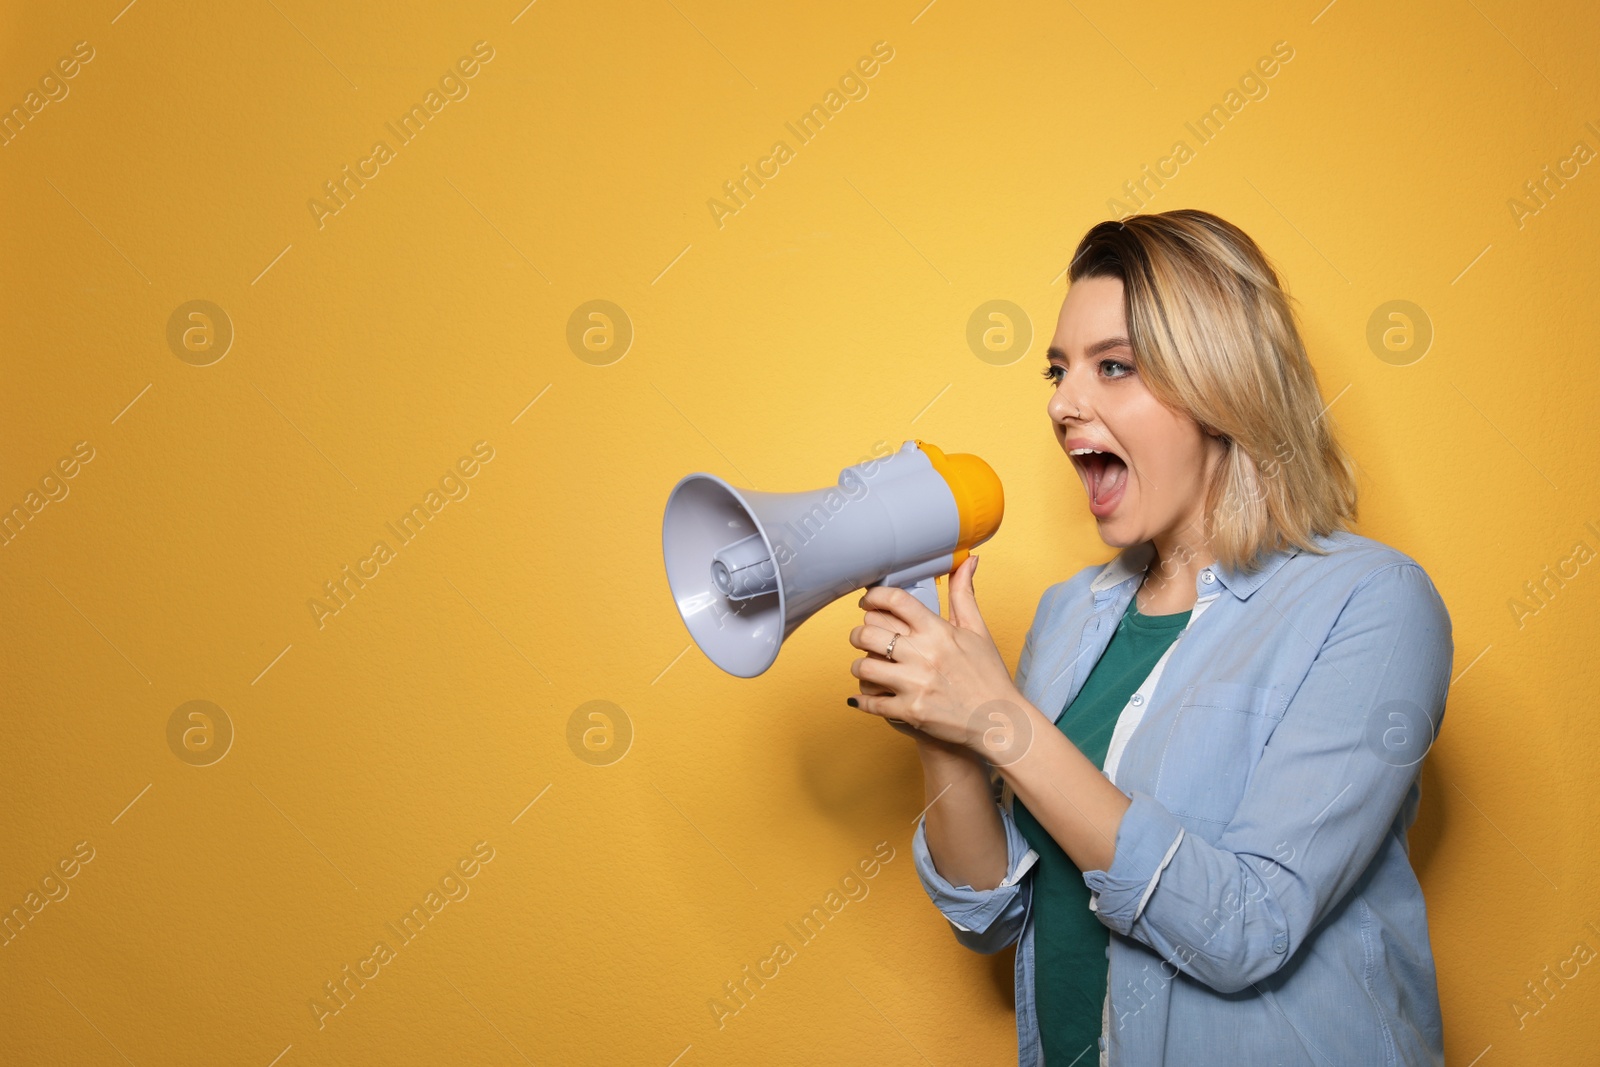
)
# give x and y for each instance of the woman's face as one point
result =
(1151, 484)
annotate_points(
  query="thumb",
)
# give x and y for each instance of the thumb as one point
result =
(963, 600)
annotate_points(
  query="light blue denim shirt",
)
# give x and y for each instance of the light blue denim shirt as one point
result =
(1261, 900)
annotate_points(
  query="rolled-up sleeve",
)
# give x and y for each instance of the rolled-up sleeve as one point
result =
(984, 920)
(1147, 838)
(1327, 790)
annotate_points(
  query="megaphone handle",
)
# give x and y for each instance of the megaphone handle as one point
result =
(927, 592)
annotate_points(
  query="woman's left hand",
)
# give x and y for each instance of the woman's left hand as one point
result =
(946, 676)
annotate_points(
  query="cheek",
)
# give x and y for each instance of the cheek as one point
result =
(1167, 459)
(1177, 475)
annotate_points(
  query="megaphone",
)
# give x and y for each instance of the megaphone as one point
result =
(746, 568)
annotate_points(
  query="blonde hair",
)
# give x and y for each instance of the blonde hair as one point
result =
(1214, 336)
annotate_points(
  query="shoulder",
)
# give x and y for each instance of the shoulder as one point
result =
(1350, 561)
(1359, 572)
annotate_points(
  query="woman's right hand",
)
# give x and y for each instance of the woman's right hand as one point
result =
(930, 748)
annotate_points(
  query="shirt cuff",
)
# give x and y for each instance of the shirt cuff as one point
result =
(967, 909)
(1147, 839)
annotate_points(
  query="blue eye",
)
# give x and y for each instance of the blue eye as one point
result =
(1052, 371)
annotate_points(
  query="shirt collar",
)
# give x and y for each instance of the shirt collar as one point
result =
(1133, 560)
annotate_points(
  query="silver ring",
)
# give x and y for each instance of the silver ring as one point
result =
(888, 653)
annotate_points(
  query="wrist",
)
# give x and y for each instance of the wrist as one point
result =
(1003, 730)
(937, 754)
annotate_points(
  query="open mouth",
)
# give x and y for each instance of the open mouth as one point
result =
(1105, 474)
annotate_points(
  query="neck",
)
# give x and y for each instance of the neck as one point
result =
(1170, 579)
(1181, 552)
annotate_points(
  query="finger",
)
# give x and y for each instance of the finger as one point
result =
(893, 676)
(876, 640)
(964, 600)
(880, 706)
(874, 689)
(901, 604)
(886, 621)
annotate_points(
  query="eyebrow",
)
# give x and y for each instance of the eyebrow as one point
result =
(1093, 350)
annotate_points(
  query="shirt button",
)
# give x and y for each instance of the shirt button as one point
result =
(1207, 577)
(1138, 699)
(1280, 945)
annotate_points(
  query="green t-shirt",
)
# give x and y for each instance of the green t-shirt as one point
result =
(1069, 941)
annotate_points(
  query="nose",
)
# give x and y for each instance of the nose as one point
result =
(1063, 407)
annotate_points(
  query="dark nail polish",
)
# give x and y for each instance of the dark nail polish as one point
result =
(852, 702)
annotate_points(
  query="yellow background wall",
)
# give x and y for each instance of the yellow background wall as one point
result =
(375, 346)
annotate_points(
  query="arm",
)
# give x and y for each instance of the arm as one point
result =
(1077, 805)
(1327, 790)
(984, 920)
(977, 879)
(962, 824)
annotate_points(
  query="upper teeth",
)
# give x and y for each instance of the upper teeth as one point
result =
(1085, 452)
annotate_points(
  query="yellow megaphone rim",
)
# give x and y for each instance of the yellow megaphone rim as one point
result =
(980, 500)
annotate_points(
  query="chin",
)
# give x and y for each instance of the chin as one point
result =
(1117, 532)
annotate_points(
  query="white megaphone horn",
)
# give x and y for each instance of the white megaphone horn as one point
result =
(747, 568)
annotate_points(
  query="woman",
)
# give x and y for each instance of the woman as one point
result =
(1199, 838)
